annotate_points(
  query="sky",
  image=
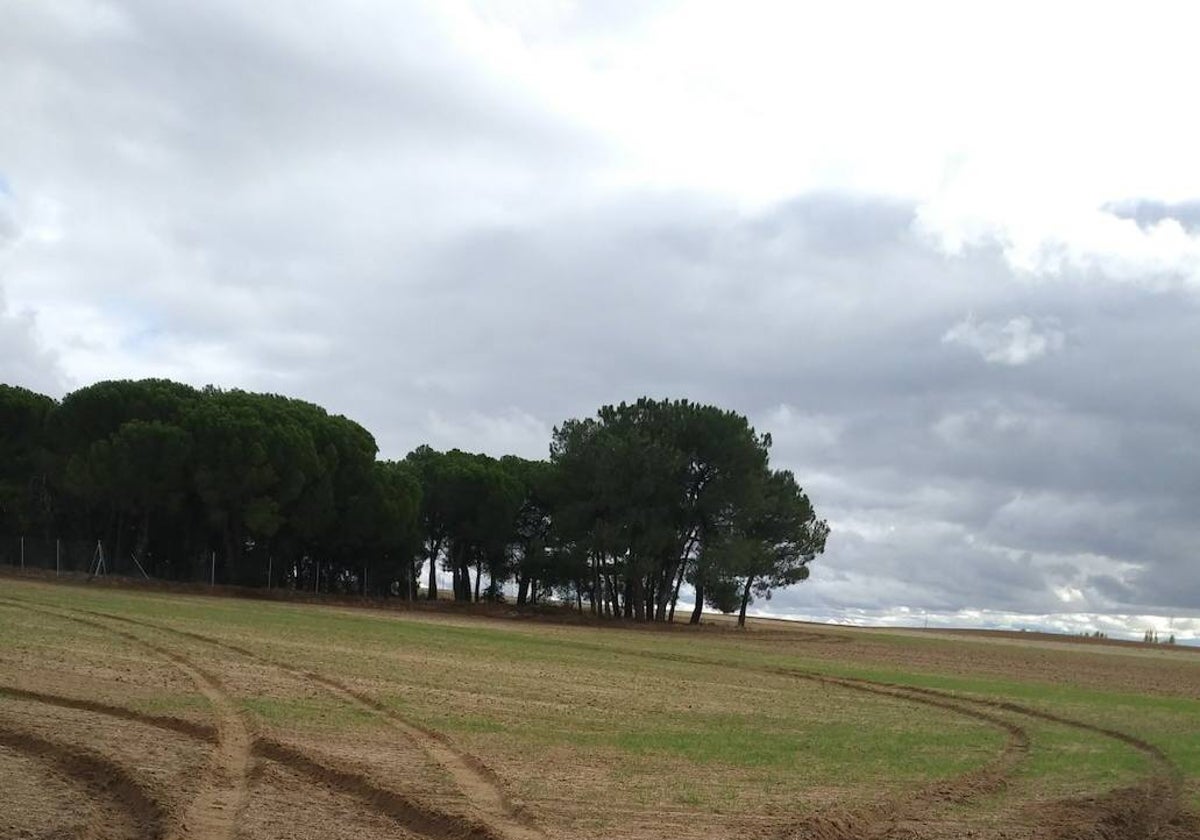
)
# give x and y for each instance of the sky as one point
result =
(947, 254)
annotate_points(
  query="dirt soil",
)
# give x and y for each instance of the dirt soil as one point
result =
(89, 748)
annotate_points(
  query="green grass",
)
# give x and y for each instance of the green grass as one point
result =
(171, 704)
(697, 719)
(1090, 763)
(309, 713)
(851, 752)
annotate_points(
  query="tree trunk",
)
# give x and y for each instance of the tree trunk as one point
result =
(699, 609)
(597, 593)
(232, 554)
(745, 601)
(522, 589)
(478, 578)
(681, 572)
(139, 550)
(434, 551)
(675, 591)
(119, 542)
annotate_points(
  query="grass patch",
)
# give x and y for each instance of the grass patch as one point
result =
(848, 752)
(172, 704)
(688, 719)
(306, 713)
(1089, 763)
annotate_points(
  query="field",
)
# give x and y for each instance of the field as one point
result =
(130, 714)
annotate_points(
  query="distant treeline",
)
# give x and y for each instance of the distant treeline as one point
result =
(631, 504)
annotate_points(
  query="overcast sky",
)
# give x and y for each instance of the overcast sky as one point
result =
(948, 255)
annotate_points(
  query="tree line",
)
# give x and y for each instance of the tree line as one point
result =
(631, 504)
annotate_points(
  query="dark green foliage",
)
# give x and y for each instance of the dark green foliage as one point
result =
(656, 492)
(259, 488)
(25, 504)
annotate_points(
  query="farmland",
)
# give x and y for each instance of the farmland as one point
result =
(135, 714)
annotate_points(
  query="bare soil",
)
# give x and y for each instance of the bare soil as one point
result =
(90, 748)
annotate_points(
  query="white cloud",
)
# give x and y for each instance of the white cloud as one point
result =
(1015, 342)
(510, 431)
(1185, 629)
(460, 223)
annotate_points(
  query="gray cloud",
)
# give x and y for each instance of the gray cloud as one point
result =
(1148, 213)
(352, 211)
(23, 361)
(1016, 342)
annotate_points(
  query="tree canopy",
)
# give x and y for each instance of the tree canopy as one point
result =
(260, 489)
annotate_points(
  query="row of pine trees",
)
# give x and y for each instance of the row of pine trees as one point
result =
(634, 505)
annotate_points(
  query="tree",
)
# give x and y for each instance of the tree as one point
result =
(535, 562)
(484, 500)
(772, 542)
(385, 520)
(633, 503)
(24, 460)
(433, 517)
(142, 470)
(651, 492)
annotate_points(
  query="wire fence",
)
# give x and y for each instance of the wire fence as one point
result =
(66, 556)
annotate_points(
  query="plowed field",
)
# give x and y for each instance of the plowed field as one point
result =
(128, 714)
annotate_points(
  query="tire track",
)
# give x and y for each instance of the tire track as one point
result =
(213, 812)
(197, 731)
(481, 785)
(478, 782)
(879, 821)
(130, 810)
(407, 813)
(1156, 755)
(1148, 810)
(485, 791)
(876, 823)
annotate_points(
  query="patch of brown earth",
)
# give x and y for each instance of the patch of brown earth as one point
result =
(483, 790)
(121, 806)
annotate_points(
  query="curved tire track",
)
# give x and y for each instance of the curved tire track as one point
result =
(407, 813)
(879, 821)
(198, 731)
(127, 810)
(1148, 810)
(482, 788)
(1144, 811)
(213, 812)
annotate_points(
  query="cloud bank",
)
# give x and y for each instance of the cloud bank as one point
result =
(961, 295)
